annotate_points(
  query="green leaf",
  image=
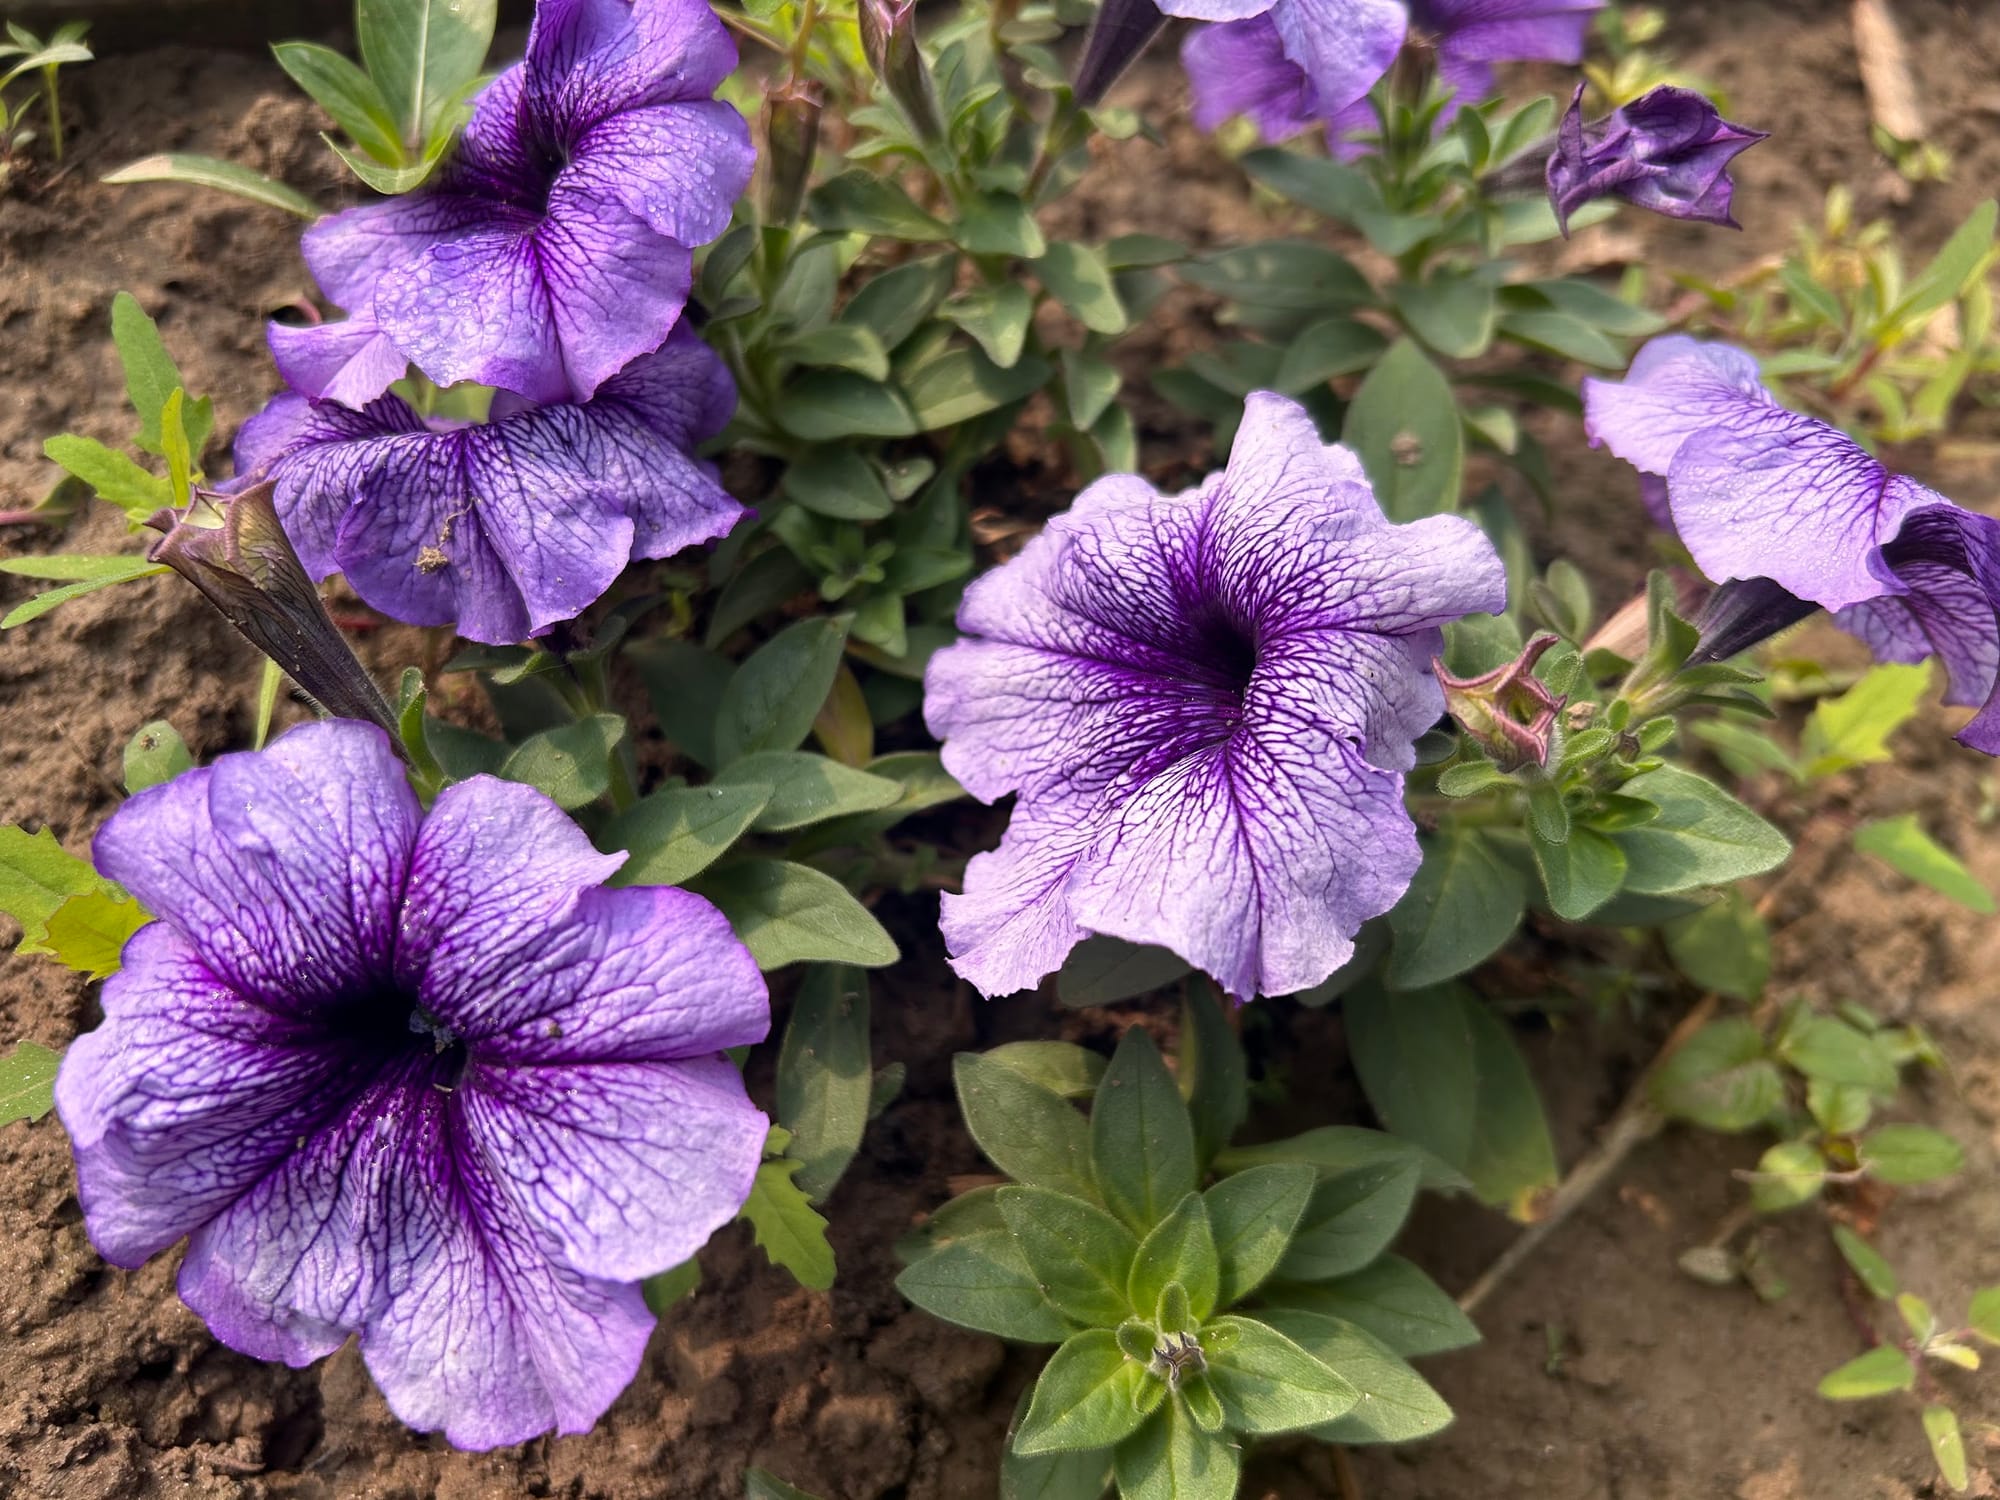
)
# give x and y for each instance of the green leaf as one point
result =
(980, 1280)
(1350, 1220)
(825, 1076)
(1902, 844)
(1333, 1149)
(1788, 1174)
(1063, 1068)
(1283, 275)
(664, 1290)
(213, 172)
(784, 1224)
(1984, 1315)
(1463, 905)
(1879, 1372)
(836, 482)
(845, 346)
(830, 406)
(1834, 1052)
(924, 782)
(1085, 1397)
(1404, 426)
(684, 684)
(1854, 729)
(155, 755)
(998, 224)
(37, 875)
(1391, 1299)
(1702, 837)
(1560, 333)
(788, 913)
(1179, 1251)
(678, 832)
(1904, 1155)
(1090, 386)
(1212, 1073)
(997, 317)
(1141, 1141)
(151, 378)
(1581, 873)
(1950, 269)
(41, 604)
(1079, 1254)
(960, 383)
(1941, 1422)
(1267, 1383)
(111, 475)
(761, 1484)
(1252, 1216)
(1867, 1263)
(859, 202)
(1720, 1078)
(804, 788)
(1397, 1404)
(1454, 312)
(1105, 970)
(28, 1082)
(1027, 1131)
(895, 303)
(771, 701)
(347, 94)
(1326, 349)
(421, 54)
(1171, 1458)
(1080, 1475)
(1725, 947)
(571, 765)
(1077, 277)
(87, 932)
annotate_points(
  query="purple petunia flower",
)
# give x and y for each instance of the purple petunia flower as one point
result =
(418, 1078)
(1668, 150)
(1294, 63)
(1205, 703)
(554, 248)
(502, 528)
(1761, 492)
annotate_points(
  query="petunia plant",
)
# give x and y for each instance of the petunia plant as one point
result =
(1198, 1295)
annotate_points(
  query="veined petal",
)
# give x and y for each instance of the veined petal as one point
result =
(1676, 386)
(628, 1166)
(679, 167)
(588, 59)
(186, 1096)
(349, 253)
(1344, 46)
(351, 361)
(1013, 925)
(1508, 30)
(283, 870)
(1240, 68)
(614, 287)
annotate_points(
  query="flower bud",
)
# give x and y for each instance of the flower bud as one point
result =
(889, 41)
(1508, 712)
(246, 568)
(1123, 29)
(791, 137)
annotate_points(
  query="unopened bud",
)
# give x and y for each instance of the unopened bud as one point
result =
(791, 138)
(889, 41)
(1509, 712)
(1122, 31)
(245, 566)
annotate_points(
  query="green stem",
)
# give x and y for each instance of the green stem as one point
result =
(54, 110)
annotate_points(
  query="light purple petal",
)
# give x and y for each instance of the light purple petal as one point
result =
(1344, 46)
(186, 1096)
(283, 869)
(1240, 68)
(1676, 386)
(1507, 30)
(1013, 926)
(679, 167)
(351, 361)
(349, 253)
(616, 287)
(628, 1166)
(588, 59)
(496, 866)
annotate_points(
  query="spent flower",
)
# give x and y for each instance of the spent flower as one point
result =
(1761, 492)
(417, 1078)
(1509, 712)
(1205, 704)
(555, 247)
(505, 527)
(1668, 150)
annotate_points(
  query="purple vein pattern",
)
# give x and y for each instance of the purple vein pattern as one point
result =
(1204, 704)
(416, 1078)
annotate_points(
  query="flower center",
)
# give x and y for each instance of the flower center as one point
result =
(1230, 653)
(391, 1026)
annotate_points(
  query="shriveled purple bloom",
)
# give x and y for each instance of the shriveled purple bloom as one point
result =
(554, 247)
(1668, 150)
(1294, 63)
(1761, 492)
(417, 1078)
(501, 528)
(1205, 703)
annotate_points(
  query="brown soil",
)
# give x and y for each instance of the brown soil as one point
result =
(1605, 1374)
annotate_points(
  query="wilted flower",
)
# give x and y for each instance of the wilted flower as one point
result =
(1205, 703)
(1295, 63)
(1760, 492)
(554, 247)
(422, 1079)
(501, 528)
(1508, 711)
(1668, 150)
(245, 566)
